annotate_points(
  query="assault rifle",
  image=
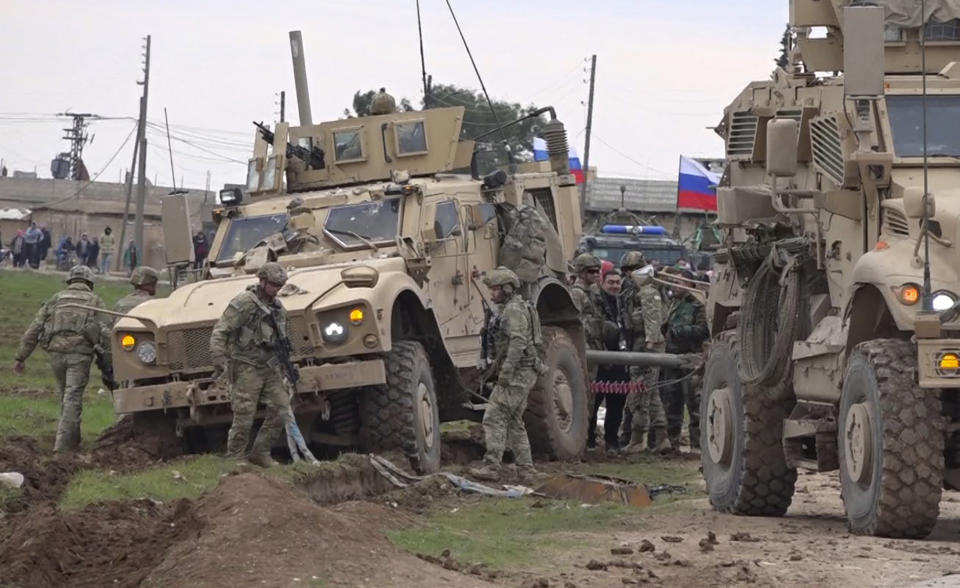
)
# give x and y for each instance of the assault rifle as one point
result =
(295, 441)
(313, 157)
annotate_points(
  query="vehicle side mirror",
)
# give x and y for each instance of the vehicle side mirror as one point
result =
(913, 203)
(782, 137)
(428, 223)
(177, 236)
(474, 216)
(863, 51)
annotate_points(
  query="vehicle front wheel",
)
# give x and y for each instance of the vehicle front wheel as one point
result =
(403, 414)
(890, 440)
(557, 411)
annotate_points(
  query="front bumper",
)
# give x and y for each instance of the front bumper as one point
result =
(929, 354)
(196, 393)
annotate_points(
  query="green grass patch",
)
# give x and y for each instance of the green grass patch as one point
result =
(462, 426)
(184, 478)
(508, 533)
(36, 415)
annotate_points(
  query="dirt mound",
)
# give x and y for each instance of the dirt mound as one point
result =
(464, 445)
(420, 496)
(258, 531)
(45, 477)
(111, 544)
(127, 446)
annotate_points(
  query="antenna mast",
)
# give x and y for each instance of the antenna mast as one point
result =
(927, 299)
(423, 63)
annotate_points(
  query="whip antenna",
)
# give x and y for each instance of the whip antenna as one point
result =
(927, 300)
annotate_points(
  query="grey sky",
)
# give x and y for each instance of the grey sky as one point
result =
(665, 71)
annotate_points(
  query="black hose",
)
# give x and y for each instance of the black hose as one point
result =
(770, 321)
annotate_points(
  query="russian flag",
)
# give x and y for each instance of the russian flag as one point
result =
(697, 186)
(540, 154)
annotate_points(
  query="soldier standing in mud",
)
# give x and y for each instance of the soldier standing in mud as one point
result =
(71, 337)
(243, 348)
(642, 309)
(144, 281)
(686, 330)
(515, 333)
(585, 292)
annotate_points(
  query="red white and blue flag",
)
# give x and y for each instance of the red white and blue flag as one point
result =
(540, 154)
(697, 186)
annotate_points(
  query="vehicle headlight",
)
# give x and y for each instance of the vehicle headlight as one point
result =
(147, 352)
(334, 332)
(943, 300)
(127, 342)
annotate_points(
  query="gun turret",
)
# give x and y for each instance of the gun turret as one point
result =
(313, 157)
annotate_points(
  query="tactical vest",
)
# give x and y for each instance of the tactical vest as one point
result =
(256, 333)
(534, 349)
(69, 329)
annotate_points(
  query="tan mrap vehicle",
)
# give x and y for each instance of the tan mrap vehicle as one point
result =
(386, 250)
(822, 356)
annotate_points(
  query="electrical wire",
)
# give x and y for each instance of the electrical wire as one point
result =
(102, 169)
(625, 156)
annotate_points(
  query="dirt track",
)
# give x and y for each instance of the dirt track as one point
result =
(251, 530)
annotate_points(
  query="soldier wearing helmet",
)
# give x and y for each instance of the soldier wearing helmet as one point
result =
(71, 337)
(515, 333)
(643, 315)
(585, 291)
(144, 280)
(383, 103)
(242, 349)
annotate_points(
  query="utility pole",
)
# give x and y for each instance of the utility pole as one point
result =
(283, 105)
(141, 134)
(142, 168)
(586, 140)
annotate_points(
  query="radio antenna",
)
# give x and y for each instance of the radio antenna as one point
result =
(423, 63)
(927, 300)
(503, 136)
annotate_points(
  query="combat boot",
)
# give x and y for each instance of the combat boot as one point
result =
(487, 472)
(527, 475)
(663, 445)
(68, 437)
(262, 460)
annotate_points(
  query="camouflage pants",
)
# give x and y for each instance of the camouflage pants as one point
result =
(503, 426)
(645, 406)
(72, 371)
(251, 385)
(675, 397)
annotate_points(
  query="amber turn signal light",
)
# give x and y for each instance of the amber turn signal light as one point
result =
(127, 342)
(909, 294)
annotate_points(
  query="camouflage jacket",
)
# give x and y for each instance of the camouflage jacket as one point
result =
(686, 326)
(68, 330)
(130, 301)
(514, 339)
(584, 297)
(244, 332)
(642, 310)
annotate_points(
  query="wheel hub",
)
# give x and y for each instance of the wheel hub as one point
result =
(858, 449)
(562, 400)
(720, 427)
(426, 414)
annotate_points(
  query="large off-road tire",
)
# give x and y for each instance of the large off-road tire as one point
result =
(890, 440)
(403, 414)
(557, 411)
(741, 438)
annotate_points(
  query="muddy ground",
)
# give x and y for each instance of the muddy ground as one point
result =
(254, 530)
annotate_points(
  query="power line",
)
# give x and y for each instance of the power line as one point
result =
(102, 169)
(627, 157)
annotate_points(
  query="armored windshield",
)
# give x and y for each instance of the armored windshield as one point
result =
(355, 225)
(244, 233)
(943, 125)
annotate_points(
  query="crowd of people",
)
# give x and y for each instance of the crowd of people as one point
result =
(31, 247)
(627, 309)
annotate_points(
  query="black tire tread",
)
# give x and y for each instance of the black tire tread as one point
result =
(389, 410)
(542, 437)
(912, 458)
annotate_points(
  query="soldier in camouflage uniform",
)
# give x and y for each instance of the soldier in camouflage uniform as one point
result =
(71, 337)
(144, 280)
(686, 332)
(243, 348)
(515, 333)
(585, 291)
(642, 309)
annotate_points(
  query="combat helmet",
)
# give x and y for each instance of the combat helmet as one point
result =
(502, 276)
(586, 261)
(273, 272)
(632, 260)
(80, 272)
(383, 103)
(143, 275)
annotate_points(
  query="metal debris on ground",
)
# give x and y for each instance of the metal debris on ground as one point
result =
(596, 489)
(402, 479)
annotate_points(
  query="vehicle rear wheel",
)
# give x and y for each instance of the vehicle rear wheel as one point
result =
(403, 414)
(890, 440)
(741, 442)
(557, 410)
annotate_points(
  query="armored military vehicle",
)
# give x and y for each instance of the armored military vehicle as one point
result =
(386, 248)
(833, 307)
